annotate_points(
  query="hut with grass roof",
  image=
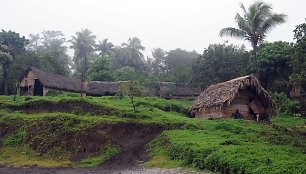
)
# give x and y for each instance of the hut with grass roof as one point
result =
(103, 88)
(36, 82)
(222, 100)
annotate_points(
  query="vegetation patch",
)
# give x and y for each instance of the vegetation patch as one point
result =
(228, 146)
(94, 161)
(22, 156)
(71, 138)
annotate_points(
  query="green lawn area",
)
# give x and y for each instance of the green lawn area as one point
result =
(224, 145)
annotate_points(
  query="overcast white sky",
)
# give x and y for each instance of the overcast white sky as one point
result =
(169, 24)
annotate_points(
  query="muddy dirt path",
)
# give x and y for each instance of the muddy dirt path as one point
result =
(124, 163)
(134, 170)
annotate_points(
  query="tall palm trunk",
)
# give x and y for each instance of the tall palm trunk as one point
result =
(256, 60)
(81, 88)
(84, 74)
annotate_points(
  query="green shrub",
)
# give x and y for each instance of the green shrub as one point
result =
(285, 106)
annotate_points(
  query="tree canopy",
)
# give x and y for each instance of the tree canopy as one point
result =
(218, 63)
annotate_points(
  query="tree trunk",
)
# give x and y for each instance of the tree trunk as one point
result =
(134, 107)
(256, 61)
(82, 87)
(84, 74)
(5, 68)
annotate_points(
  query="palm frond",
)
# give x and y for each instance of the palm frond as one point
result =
(243, 24)
(272, 21)
(245, 13)
(233, 32)
(259, 12)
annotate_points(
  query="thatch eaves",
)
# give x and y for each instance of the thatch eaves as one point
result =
(224, 93)
(101, 88)
(179, 89)
(55, 81)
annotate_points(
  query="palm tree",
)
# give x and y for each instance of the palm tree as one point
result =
(84, 45)
(134, 45)
(106, 48)
(254, 24)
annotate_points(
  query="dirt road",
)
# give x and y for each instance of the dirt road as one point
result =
(99, 170)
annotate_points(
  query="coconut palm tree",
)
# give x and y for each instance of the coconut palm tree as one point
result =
(254, 24)
(84, 45)
(135, 47)
(106, 48)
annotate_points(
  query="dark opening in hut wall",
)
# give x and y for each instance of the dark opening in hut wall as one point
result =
(46, 81)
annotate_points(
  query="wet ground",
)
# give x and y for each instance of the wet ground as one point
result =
(98, 170)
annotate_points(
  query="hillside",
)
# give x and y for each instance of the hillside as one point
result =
(69, 131)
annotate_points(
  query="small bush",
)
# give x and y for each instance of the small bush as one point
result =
(285, 106)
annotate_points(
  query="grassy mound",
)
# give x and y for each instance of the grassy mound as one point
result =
(234, 146)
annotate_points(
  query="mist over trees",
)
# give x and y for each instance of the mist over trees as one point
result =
(281, 65)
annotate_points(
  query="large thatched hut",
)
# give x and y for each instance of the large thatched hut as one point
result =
(38, 83)
(222, 100)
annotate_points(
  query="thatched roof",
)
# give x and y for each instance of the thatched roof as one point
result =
(101, 88)
(178, 89)
(56, 81)
(224, 93)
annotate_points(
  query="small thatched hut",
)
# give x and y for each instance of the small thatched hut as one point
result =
(103, 88)
(38, 83)
(222, 100)
(177, 90)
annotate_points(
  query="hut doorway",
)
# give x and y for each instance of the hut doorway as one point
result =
(38, 88)
(255, 108)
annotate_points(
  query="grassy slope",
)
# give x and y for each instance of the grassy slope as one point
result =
(228, 146)
(40, 139)
(233, 146)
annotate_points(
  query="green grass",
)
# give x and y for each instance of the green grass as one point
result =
(26, 157)
(46, 133)
(226, 146)
(291, 122)
(94, 161)
(232, 146)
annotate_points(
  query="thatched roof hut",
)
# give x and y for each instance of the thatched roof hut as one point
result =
(177, 90)
(38, 82)
(102, 88)
(223, 99)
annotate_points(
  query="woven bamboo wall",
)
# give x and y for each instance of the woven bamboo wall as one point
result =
(209, 113)
(241, 102)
